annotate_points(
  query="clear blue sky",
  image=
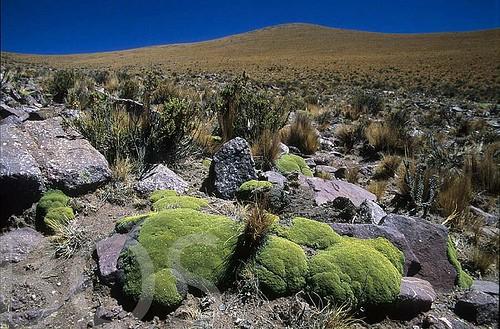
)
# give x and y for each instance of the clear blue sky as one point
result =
(71, 26)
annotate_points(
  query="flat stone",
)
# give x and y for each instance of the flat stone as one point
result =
(16, 245)
(415, 296)
(329, 190)
(488, 287)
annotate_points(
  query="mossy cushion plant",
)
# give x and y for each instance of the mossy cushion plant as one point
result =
(181, 201)
(309, 233)
(160, 194)
(125, 224)
(184, 240)
(281, 267)
(463, 280)
(56, 217)
(289, 163)
(353, 272)
(51, 199)
(253, 184)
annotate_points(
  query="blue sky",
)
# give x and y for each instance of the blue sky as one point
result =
(71, 26)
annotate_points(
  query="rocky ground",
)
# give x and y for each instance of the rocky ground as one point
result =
(39, 152)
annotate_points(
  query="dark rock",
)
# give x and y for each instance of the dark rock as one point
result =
(17, 244)
(370, 231)
(329, 190)
(478, 307)
(107, 251)
(7, 111)
(231, 166)
(161, 178)
(341, 173)
(437, 321)
(310, 162)
(370, 212)
(345, 210)
(488, 287)
(429, 243)
(415, 296)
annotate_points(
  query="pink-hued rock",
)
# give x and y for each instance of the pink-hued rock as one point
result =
(329, 190)
(108, 250)
(415, 296)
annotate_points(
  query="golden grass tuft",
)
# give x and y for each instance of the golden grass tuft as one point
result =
(122, 170)
(301, 134)
(383, 138)
(352, 174)
(455, 194)
(267, 148)
(387, 167)
(378, 188)
(485, 170)
(348, 136)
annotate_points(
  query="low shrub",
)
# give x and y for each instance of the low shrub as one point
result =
(60, 83)
(363, 102)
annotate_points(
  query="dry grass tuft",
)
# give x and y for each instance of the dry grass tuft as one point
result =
(122, 170)
(352, 174)
(383, 138)
(323, 175)
(378, 188)
(455, 194)
(348, 136)
(340, 317)
(266, 148)
(387, 167)
(69, 237)
(485, 170)
(301, 134)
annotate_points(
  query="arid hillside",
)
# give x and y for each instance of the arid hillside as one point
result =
(454, 64)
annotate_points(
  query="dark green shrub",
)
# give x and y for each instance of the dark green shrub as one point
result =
(367, 102)
(60, 83)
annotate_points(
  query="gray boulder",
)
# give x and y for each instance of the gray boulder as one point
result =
(107, 252)
(415, 296)
(478, 307)
(231, 166)
(275, 177)
(329, 190)
(370, 231)
(161, 178)
(16, 245)
(488, 287)
(429, 243)
(38, 155)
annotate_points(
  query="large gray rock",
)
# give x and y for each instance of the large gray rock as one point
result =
(37, 155)
(21, 179)
(329, 190)
(17, 244)
(478, 307)
(161, 178)
(107, 252)
(370, 231)
(415, 296)
(429, 243)
(231, 166)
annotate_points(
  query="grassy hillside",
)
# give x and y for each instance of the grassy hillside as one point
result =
(453, 63)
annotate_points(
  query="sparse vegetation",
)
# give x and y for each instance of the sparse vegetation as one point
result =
(59, 85)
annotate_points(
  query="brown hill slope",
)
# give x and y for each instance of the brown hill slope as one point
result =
(466, 61)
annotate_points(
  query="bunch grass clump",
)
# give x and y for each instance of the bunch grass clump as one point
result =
(302, 134)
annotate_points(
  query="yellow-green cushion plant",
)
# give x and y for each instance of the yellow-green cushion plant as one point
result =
(289, 163)
(281, 267)
(160, 194)
(352, 271)
(181, 201)
(183, 241)
(57, 217)
(309, 233)
(51, 199)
